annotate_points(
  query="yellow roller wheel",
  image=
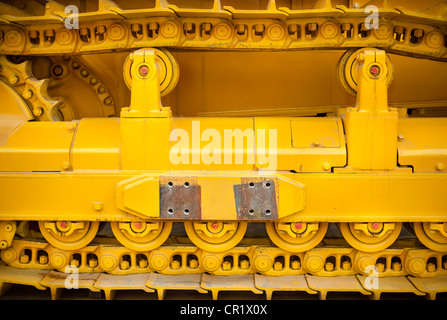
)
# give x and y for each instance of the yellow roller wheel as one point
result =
(433, 235)
(370, 236)
(215, 236)
(141, 235)
(168, 71)
(69, 235)
(347, 70)
(296, 236)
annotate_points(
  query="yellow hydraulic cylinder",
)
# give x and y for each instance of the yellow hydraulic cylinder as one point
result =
(371, 126)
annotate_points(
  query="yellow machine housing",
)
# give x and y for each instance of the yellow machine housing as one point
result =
(217, 117)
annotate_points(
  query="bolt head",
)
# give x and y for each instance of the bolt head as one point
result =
(375, 226)
(144, 70)
(63, 224)
(374, 70)
(215, 226)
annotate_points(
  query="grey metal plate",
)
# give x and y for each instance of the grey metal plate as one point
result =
(180, 198)
(256, 199)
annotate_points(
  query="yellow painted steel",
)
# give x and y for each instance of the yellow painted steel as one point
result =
(251, 130)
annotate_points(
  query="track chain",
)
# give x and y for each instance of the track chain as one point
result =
(254, 266)
(252, 256)
(113, 28)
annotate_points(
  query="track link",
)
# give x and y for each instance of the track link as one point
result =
(253, 266)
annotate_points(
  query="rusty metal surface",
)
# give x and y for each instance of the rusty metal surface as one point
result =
(256, 199)
(180, 198)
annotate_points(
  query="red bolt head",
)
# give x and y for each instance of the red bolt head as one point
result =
(375, 70)
(375, 225)
(215, 225)
(63, 224)
(144, 70)
(138, 225)
(298, 226)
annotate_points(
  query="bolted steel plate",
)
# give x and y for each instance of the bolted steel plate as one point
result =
(180, 198)
(256, 199)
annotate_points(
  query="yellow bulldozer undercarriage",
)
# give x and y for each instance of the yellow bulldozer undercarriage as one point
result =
(224, 146)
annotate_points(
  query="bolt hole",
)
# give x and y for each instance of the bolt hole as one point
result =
(268, 184)
(186, 184)
(251, 185)
(251, 212)
(267, 212)
(170, 211)
(170, 183)
(186, 211)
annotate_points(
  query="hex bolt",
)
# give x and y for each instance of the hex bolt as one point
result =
(240, 29)
(380, 267)
(108, 101)
(93, 263)
(295, 265)
(124, 265)
(136, 27)
(24, 258)
(206, 27)
(278, 266)
(153, 26)
(101, 29)
(193, 263)
(101, 90)
(144, 70)
(329, 266)
(175, 265)
(226, 266)
(33, 34)
(66, 166)
(259, 29)
(75, 263)
(188, 27)
(143, 263)
(397, 266)
(374, 70)
(84, 73)
(27, 94)
(440, 166)
(13, 79)
(418, 33)
(43, 259)
(346, 265)
(245, 264)
(312, 27)
(293, 28)
(431, 267)
(75, 65)
(400, 137)
(38, 111)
